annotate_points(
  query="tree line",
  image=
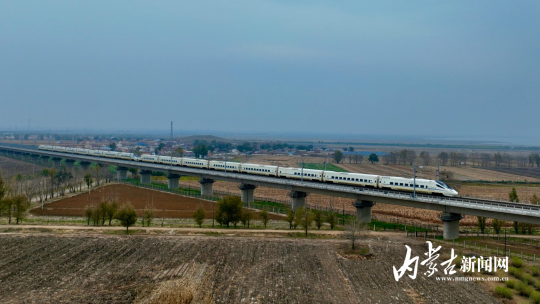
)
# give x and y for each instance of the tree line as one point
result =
(497, 159)
(518, 227)
(230, 212)
(14, 206)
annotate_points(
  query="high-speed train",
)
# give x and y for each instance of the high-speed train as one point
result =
(425, 186)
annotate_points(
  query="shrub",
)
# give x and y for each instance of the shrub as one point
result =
(511, 284)
(517, 262)
(527, 278)
(537, 285)
(524, 289)
(535, 297)
(535, 271)
(126, 215)
(199, 216)
(504, 292)
(516, 272)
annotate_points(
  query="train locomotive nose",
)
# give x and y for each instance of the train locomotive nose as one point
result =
(454, 192)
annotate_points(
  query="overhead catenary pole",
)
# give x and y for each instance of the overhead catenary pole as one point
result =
(302, 170)
(414, 183)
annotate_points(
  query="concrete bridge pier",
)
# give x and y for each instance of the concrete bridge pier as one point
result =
(450, 225)
(34, 158)
(298, 199)
(84, 165)
(248, 192)
(173, 181)
(70, 163)
(207, 186)
(27, 156)
(56, 162)
(363, 210)
(146, 176)
(122, 173)
(45, 160)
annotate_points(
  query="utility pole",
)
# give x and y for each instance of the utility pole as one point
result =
(438, 169)
(171, 131)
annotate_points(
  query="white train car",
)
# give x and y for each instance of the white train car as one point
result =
(44, 147)
(71, 150)
(59, 149)
(81, 151)
(110, 154)
(195, 163)
(296, 173)
(259, 169)
(97, 153)
(425, 186)
(149, 158)
(167, 160)
(220, 165)
(347, 178)
(128, 156)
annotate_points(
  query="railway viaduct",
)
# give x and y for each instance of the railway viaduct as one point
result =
(452, 208)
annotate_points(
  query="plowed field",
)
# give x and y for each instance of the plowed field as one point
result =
(115, 269)
(171, 205)
(11, 167)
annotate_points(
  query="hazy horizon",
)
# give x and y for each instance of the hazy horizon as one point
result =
(418, 69)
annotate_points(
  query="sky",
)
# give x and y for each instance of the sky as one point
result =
(376, 68)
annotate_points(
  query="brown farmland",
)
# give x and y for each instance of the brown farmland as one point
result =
(171, 205)
(140, 269)
(11, 167)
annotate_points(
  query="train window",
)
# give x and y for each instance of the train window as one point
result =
(401, 184)
(392, 183)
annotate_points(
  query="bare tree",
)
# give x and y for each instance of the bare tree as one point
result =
(21, 204)
(485, 159)
(354, 230)
(426, 158)
(148, 215)
(264, 217)
(318, 218)
(443, 158)
(305, 218)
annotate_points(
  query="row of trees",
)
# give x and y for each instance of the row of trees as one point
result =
(107, 211)
(12, 205)
(354, 158)
(51, 182)
(409, 157)
(518, 227)
(230, 212)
